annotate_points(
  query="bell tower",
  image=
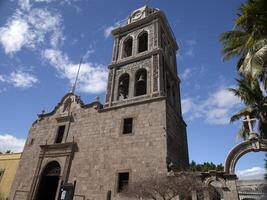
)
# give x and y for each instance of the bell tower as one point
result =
(143, 61)
(144, 69)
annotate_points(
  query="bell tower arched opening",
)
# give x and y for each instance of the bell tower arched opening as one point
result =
(127, 47)
(123, 87)
(141, 82)
(143, 42)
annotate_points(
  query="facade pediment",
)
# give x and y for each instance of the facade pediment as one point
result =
(67, 104)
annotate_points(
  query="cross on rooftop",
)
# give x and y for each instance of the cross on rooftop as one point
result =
(249, 121)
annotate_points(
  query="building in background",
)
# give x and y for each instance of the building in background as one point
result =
(8, 166)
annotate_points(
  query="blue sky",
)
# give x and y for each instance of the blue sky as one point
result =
(42, 41)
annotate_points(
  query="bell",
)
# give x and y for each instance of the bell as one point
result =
(141, 78)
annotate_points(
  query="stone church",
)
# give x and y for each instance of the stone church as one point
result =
(139, 130)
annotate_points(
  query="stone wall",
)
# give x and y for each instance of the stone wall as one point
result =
(102, 149)
(177, 148)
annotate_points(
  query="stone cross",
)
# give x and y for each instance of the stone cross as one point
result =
(249, 121)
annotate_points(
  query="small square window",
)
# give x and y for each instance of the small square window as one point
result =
(123, 181)
(60, 134)
(127, 126)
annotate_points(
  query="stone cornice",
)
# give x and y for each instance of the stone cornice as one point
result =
(132, 103)
(140, 57)
(136, 58)
(63, 149)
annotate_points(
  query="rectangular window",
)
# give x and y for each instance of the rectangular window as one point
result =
(60, 134)
(123, 181)
(127, 126)
(1, 174)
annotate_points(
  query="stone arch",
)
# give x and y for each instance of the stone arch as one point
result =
(140, 82)
(210, 180)
(49, 181)
(217, 184)
(253, 145)
(123, 86)
(127, 47)
(142, 41)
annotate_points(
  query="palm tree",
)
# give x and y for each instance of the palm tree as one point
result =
(255, 101)
(248, 40)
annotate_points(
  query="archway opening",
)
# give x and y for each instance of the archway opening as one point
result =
(143, 42)
(216, 192)
(251, 166)
(141, 82)
(127, 47)
(253, 145)
(123, 87)
(49, 182)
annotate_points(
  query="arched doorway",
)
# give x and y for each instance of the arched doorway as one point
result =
(49, 182)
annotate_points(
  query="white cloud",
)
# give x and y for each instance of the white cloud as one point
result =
(46, 1)
(190, 52)
(223, 98)
(191, 43)
(217, 108)
(14, 35)
(22, 79)
(25, 4)
(107, 31)
(10, 142)
(2, 79)
(186, 74)
(187, 105)
(30, 28)
(92, 78)
(19, 79)
(252, 173)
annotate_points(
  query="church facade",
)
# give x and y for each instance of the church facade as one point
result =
(139, 130)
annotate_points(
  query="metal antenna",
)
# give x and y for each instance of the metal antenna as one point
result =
(75, 83)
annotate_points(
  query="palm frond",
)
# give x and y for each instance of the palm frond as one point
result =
(241, 114)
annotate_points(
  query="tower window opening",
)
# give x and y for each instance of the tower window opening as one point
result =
(141, 82)
(127, 126)
(123, 88)
(143, 42)
(127, 47)
(60, 134)
(123, 181)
